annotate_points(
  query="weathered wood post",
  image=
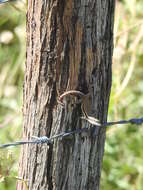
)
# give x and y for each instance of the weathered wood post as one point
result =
(69, 46)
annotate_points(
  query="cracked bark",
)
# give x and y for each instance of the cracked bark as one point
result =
(69, 46)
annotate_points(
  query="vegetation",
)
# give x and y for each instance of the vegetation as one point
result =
(123, 163)
(12, 58)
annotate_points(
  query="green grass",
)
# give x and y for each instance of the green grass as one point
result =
(123, 163)
(12, 58)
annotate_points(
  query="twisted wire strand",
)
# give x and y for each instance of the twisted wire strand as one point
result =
(44, 139)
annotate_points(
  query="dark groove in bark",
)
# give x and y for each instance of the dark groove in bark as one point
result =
(50, 109)
(49, 167)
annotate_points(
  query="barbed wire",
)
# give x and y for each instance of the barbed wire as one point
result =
(50, 140)
(92, 120)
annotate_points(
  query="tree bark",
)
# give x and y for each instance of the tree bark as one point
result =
(69, 47)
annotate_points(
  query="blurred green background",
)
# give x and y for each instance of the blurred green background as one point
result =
(12, 58)
(123, 159)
